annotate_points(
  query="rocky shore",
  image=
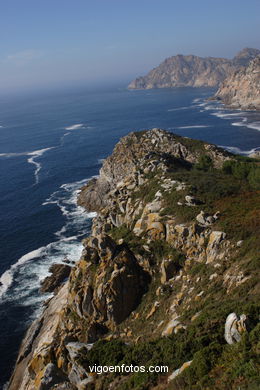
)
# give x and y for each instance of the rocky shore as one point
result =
(242, 89)
(171, 256)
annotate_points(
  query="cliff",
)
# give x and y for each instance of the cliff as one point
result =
(242, 88)
(168, 275)
(193, 71)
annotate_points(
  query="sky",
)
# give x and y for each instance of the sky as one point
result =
(87, 42)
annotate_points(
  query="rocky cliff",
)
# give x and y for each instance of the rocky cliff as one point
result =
(168, 276)
(193, 71)
(242, 88)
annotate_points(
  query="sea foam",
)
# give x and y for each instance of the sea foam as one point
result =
(22, 280)
(75, 127)
(34, 155)
(193, 127)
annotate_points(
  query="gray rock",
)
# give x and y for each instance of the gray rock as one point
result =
(191, 200)
(234, 327)
(206, 219)
(51, 377)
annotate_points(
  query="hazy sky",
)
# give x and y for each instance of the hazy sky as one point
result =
(49, 42)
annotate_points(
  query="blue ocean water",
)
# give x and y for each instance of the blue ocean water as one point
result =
(50, 145)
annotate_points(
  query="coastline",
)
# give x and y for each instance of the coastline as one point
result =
(115, 187)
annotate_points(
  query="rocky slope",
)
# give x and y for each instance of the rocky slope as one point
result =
(168, 276)
(193, 71)
(242, 88)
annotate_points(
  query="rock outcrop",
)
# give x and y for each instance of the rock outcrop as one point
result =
(59, 273)
(193, 71)
(137, 154)
(242, 88)
(235, 326)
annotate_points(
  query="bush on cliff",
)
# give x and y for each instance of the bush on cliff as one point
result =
(243, 170)
(205, 163)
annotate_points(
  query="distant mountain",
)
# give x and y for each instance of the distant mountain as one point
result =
(193, 71)
(242, 88)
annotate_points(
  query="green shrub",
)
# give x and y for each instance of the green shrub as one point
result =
(254, 177)
(107, 353)
(204, 164)
(161, 249)
(243, 170)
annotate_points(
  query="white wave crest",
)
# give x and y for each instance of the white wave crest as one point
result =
(193, 127)
(36, 154)
(75, 127)
(101, 160)
(6, 278)
(236, 150)
(33, 267)
(225, 115)
(178, 109)
(254, 125)
(31, 160)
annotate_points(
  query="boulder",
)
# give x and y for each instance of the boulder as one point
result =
(75, 349)
(52, 376)
(214, 245)
(205, 219)
(60, 272)
(191, 200)
(234, 327)
(173, 326)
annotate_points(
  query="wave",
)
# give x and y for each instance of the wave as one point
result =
(254, 125)
(178, 109)
(236, 150)
(193, 127)
(209, 107)
(75, 127)
(31, 160)
(242, 123)
(204, 104)
(245, 119)
(36, 154)
(228, 115)
(22, 280)
(7, 277)
(66, 200)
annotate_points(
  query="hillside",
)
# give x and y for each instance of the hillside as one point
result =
(169, 275)
(193, 71)
(242, 89)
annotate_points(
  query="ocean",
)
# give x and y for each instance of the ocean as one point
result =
(50, 145)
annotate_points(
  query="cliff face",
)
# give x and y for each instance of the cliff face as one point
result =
(242, 89)
(168, 259)
(192, 71)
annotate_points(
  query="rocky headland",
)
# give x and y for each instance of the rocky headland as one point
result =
(169, 275)
(242, 88)
(193, 71)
